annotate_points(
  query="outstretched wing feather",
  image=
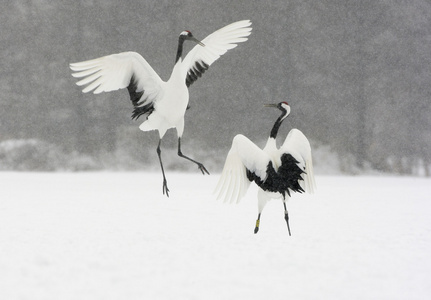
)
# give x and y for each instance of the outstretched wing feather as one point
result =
(244, 155)
(216, 44)
(298, 146)
(117, 71)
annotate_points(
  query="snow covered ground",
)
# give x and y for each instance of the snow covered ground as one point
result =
(115, 236)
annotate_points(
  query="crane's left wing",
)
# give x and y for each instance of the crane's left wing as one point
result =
(198, 60)
(117, 71)
(244, 155)
(296, 152)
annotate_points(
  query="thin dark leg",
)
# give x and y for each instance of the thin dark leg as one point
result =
(200, 166)
(165, 183)
(256, 229)
(286, 217)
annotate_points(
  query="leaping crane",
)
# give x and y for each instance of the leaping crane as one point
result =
(162, 104)
(277, 171)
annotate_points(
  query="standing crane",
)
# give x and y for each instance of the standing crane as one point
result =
(277, 171)
(162, 103)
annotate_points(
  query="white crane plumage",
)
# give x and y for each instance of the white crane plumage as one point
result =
(277, 171)
(163, 104)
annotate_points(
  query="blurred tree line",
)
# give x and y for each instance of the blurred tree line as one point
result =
(356, 74)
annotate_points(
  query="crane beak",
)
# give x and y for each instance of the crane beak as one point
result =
(270, 105)
(197, 41)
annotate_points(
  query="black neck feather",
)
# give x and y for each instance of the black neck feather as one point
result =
(180, 48)
(277, 124)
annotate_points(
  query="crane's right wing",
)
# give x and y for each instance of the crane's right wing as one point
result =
(118, 71)
(243, 156)
(198, 60)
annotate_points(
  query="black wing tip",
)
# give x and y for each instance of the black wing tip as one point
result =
(196, 72)
(131, 88)
(138, 99)
(142, 110)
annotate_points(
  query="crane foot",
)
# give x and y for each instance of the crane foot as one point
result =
(203, 169)
(165, 188)
(256, 229)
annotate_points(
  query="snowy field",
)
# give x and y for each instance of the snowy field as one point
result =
(115, 236)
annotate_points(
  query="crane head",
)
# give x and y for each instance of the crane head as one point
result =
(283, 106)
(187, 35)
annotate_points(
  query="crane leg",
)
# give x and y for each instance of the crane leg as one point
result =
(286, 217)
(200, 166)
(256, 229)
(165, 183)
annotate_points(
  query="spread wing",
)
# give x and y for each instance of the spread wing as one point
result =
(244, 155)
(296, 157)
(117, 71)
(198, 60)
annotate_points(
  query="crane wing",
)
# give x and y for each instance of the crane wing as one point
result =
(118, 71)
(198, 60)
(296, 149)
(244, 155)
